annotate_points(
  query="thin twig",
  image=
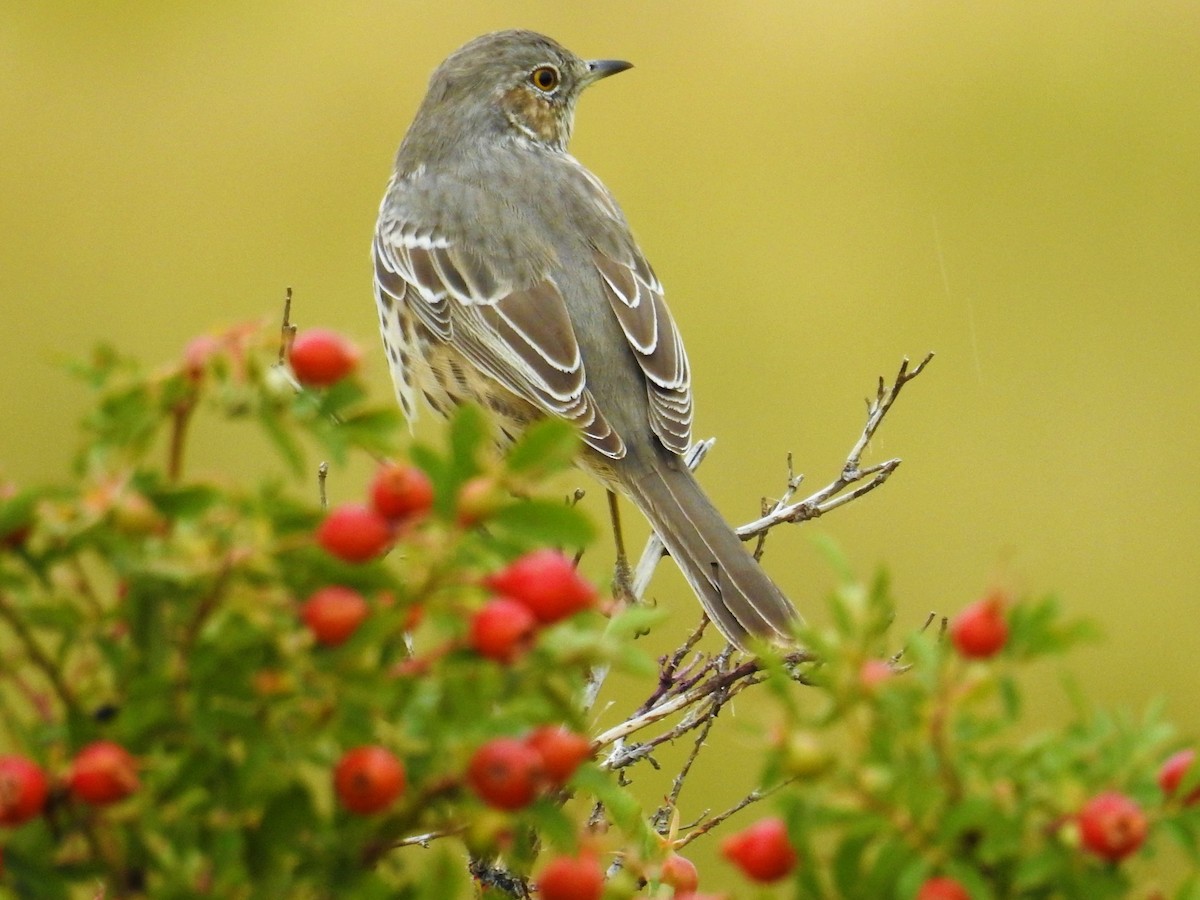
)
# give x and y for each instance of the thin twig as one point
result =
(831, 496)
(38, 656)
(710, 824)
(181, 417)
(623, 755)
(424, 840)
(287, 331)
(674, 704)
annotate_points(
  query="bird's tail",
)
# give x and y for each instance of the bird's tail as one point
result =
(736, 593)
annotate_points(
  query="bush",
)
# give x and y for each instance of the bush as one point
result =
(225, 701)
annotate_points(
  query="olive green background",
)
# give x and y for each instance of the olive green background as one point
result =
(823, 188)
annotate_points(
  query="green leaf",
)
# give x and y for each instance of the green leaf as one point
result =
(546, 446)
(847, 862)
(283, 819)
(469, 430)
(283, 441)
(836, 559)
(16, 512)
(544, 522)
(636, 620)
(443, 876)
(187, 501)
(374, 430)
(622, 807)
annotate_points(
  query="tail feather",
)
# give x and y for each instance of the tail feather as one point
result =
(739, 597)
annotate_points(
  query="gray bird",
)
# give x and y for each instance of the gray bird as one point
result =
(507, 275)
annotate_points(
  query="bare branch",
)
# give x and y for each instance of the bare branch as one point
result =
(835, 494)
(287, 331)
(424, 840)
(673, 704)
(710, 824)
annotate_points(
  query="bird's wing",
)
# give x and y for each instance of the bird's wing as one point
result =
(637, 299)
(519, 335)
(636, 296)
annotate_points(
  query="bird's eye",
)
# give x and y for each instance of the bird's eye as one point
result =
(544, 78)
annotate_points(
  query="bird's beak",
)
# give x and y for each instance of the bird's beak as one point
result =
(602, 68)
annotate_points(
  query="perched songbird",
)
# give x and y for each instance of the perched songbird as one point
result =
(506, 275)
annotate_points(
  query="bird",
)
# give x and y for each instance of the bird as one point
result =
(506, 275)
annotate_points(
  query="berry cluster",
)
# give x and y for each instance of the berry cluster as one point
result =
(536, 590)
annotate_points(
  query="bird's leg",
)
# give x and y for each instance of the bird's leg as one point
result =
(623, 576)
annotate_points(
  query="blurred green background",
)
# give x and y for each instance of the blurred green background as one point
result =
(823, 188)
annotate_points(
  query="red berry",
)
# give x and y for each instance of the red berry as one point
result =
(368, 779)
(562, 751)
(502, 630)
(103, 772)
(680, 873)
(401, 492)
(1112, 826)
(546, 581)
(354, 533)
(320, 357)
(506, 773)
(1172, 772)
(942, 888)
(979, 631)
(762, 851)
(22, 789)
(571, 878)
(334, 613)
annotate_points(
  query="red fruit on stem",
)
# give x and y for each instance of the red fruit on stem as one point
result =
(942, 888)
(22, 789)
(571, 878)
(320, 357)
(545, 581)
(103, 772)
(354, 533)
(401, 492)
(979, 631)
(762, 851)
(502, 630)
(562, 751)
(680, 873)
(334, 613)
(368, 779)
(1112, 826)
(1172, 772)
(506, 773)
